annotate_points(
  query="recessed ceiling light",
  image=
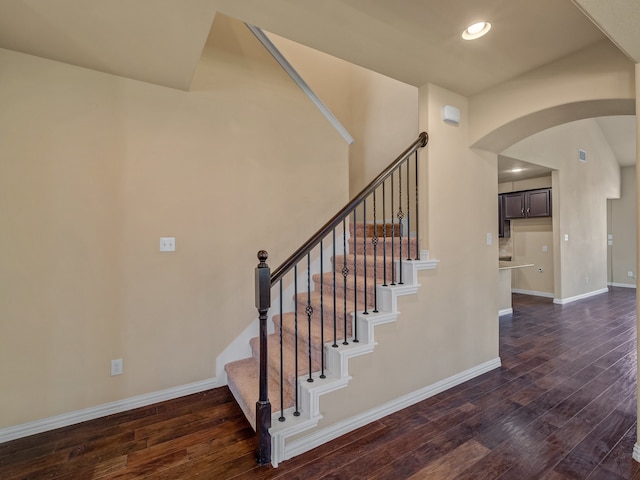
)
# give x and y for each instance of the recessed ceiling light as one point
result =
(476, 30)
(516, 170)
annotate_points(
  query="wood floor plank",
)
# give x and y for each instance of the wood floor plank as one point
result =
(449, 466)
(588, 454)
(618, 462)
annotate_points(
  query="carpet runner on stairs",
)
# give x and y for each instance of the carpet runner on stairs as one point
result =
(243, 374)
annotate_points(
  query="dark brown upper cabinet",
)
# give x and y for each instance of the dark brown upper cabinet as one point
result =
(527, 204)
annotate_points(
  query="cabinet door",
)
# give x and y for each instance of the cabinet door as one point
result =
(504, 226)
(513, 205)
(538, 203)
(500, 218)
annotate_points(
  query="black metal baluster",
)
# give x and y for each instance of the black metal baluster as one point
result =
(335, 311)
(309, 312)
(364, 243)
(345, 273)
(322, 375)
(355, 277)
(374, 241)
(384, 222)
(400, 217)
(393, 235)
(408, 213)
(281, 418)
(355, 267)
(417, 214)
(295, 375)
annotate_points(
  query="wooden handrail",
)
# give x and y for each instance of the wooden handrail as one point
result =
(299, 254)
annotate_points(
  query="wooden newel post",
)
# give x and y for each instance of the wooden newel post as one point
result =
(263, 406)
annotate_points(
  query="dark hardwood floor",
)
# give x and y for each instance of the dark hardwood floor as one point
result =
(563, 406)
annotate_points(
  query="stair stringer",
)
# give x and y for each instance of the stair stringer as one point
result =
(337, 358)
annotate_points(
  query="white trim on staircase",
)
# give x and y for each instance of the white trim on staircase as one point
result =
(337, 371)
(564, 301)
(636, 452)
(91, 413)
(332, 432)
(295, 76)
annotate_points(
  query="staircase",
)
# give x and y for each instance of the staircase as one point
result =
(338, 295)
(243, 374)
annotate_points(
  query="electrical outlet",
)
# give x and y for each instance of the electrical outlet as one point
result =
(116, 367)
(167, 244)
(630, 274)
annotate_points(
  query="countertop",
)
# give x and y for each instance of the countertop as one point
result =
(504, 265)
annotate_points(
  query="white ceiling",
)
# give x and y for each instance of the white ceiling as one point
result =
(156, 41)
(414, 41)
(528, 170)
(419, 41)
(619, 20)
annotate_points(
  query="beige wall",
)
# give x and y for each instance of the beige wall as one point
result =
(95, 168)
(622, 216)
(380, 113)
(580, 191)
(529, 237)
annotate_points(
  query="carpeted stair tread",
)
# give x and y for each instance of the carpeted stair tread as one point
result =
(359, 245)
(359, 228)
(243, 381)
(288, 356)
(316, 338)
(377, 260)
(328, 307)
(355, 283)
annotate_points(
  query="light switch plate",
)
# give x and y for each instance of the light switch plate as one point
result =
(116, 367)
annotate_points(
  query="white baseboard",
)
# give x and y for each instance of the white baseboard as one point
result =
(91, 413)
(505, 311)
(636, 452)
(532, 292)
(623, 285)
(564, 301)
(332, 432)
